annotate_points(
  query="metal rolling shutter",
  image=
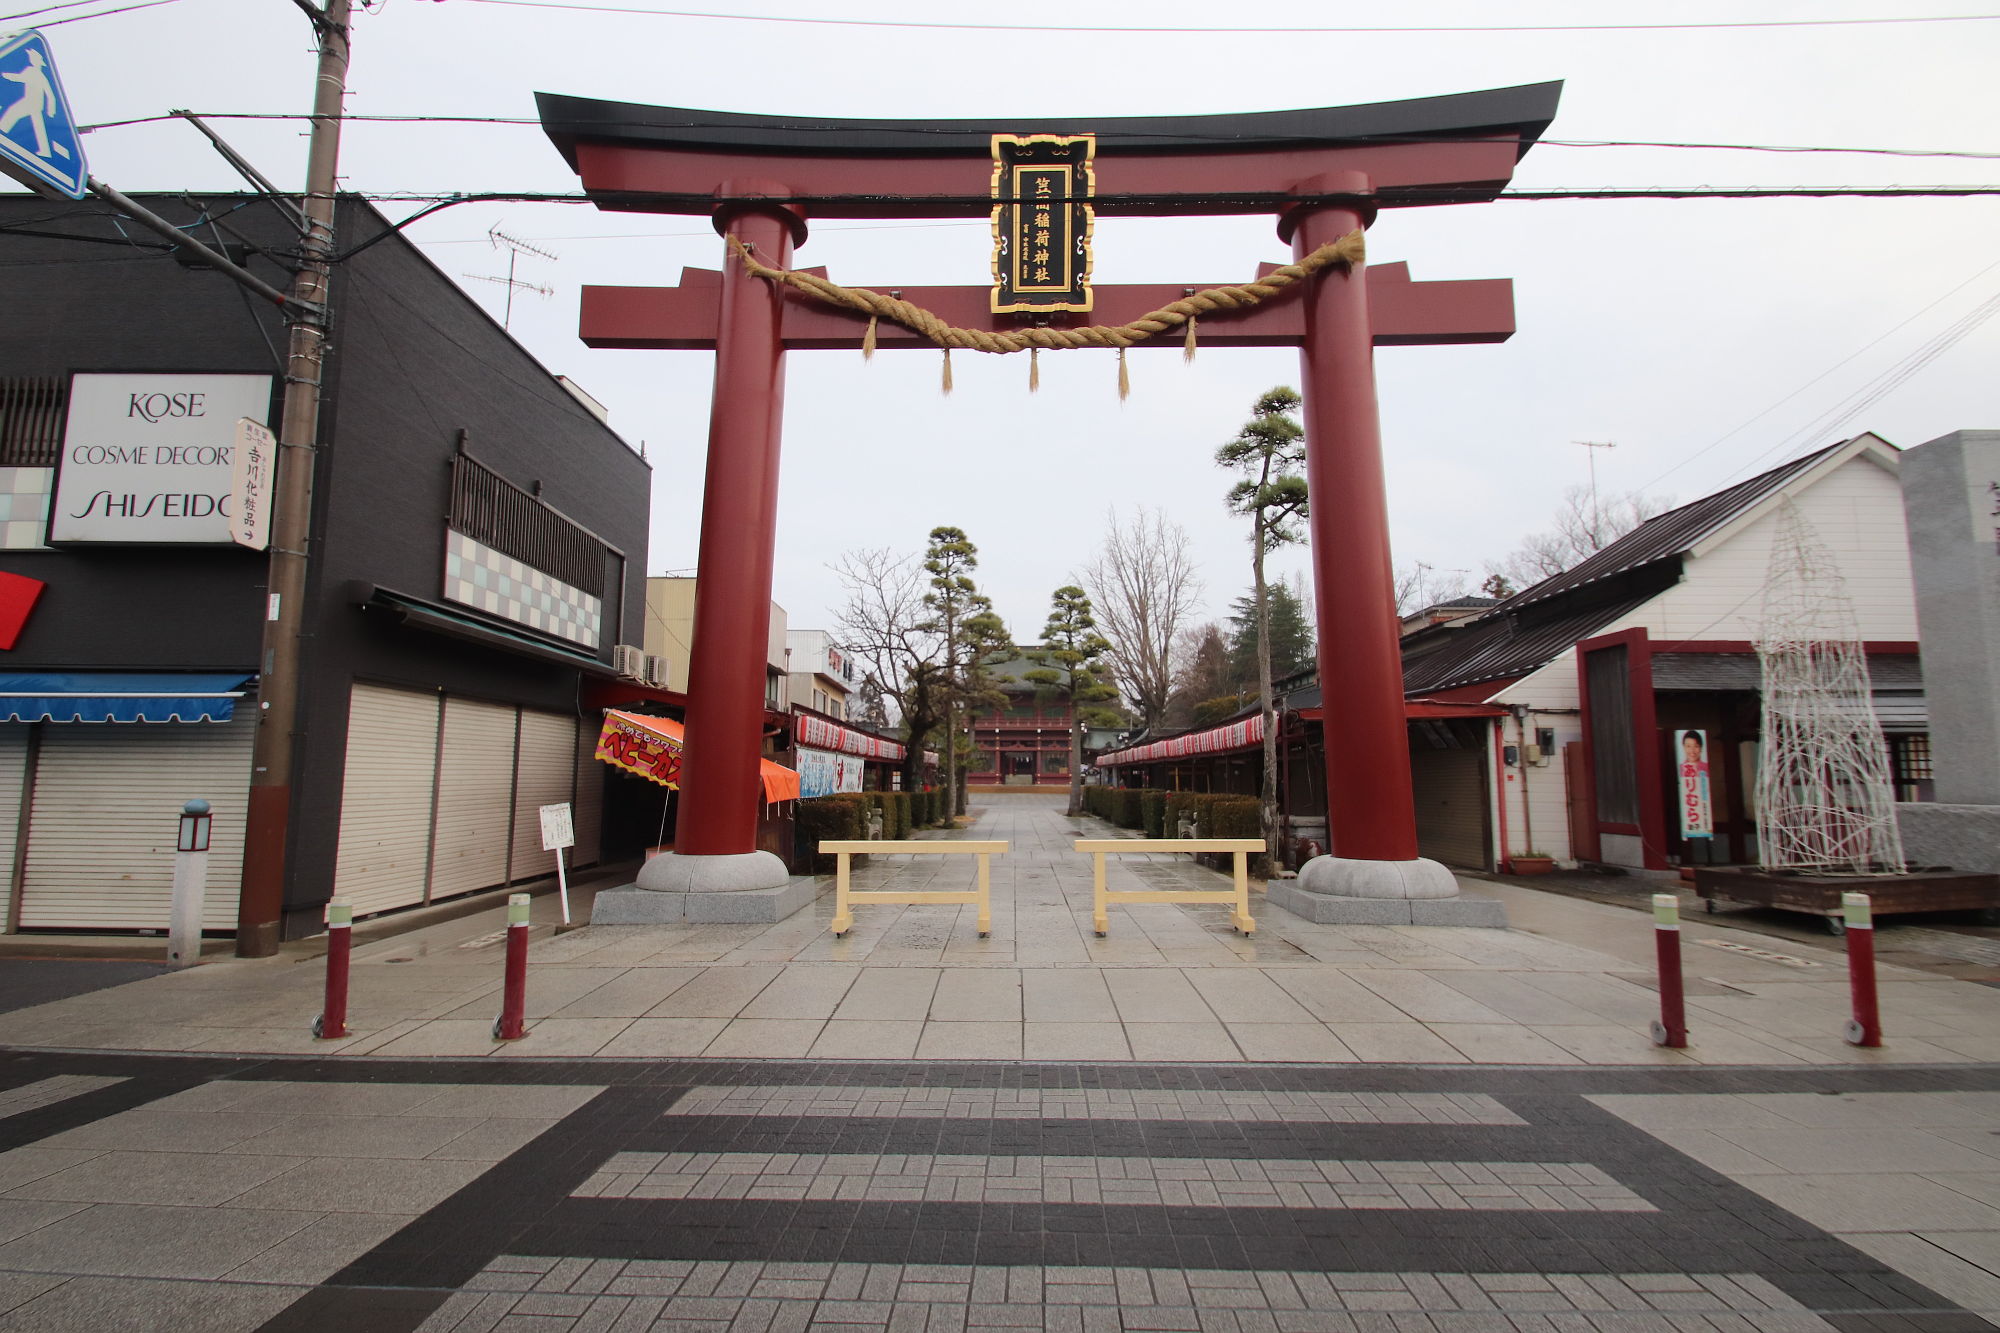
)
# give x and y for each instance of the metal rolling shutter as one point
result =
(475, 788)
(1449, 787)
(589, 796)
(545, 774)
(385, 804)
(106, 810)
(13, 767)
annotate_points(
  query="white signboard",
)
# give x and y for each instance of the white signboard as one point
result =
(252, 464)
(822, 772)
(149, 458)
(557, 828)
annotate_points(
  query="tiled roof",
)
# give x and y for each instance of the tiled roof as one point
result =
(1494, 648)
(1495, 645)
(1673, 533)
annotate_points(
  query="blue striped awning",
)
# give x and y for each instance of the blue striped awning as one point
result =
(120, 696)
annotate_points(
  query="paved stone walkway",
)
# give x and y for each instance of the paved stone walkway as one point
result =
(586, 1196)
(1569, 984)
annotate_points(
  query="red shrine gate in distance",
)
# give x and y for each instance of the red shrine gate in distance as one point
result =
(1321, 173)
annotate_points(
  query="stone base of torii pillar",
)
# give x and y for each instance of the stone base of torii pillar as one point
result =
(746, 888)
(1334, 890)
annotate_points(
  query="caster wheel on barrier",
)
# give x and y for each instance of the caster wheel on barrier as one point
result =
(1102, 933)
(496, 1030)
(1708, 906)
(319, 1026)
(1835, 925)
(1854, 1032)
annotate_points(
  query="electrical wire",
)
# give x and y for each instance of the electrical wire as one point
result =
(1824, 374)
(102, 14)
(48, 9)
(931, 130)
(1873, 392)
(1246, 31)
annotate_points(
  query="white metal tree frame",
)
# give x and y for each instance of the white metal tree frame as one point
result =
(1825, 802)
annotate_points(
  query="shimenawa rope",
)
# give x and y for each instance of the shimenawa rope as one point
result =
(1349, 249)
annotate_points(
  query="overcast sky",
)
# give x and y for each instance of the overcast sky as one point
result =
(1704, 338)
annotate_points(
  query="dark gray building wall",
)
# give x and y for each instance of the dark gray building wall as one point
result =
(414, 363)
(1955, 562)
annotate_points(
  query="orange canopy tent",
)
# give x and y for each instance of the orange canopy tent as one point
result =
(651, 747)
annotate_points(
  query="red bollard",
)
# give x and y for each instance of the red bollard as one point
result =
(510, 1026)
(332, 1021)
(1671, 1029)
(1865, 1028)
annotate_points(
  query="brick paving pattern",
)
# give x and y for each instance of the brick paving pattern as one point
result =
(580, 1295)
(1182, 1181)
(1097, 1104)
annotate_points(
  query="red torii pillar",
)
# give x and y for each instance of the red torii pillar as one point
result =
(758, 177)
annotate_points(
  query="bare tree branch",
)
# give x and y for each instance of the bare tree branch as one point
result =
(889, 629)
(1144, 586)
(1581, 528)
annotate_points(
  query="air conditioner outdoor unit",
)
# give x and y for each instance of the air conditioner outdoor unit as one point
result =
(656, 671)
(629, 662)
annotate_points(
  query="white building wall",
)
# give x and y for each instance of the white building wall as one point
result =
(1857, 510)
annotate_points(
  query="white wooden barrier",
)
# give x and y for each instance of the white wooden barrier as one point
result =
(844, 897)
(1239, 896)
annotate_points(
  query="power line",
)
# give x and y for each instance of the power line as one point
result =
(1868, 346)
(1228, 31)
(928, 130)
(48, 9)
(1873, 392)
(78, 18)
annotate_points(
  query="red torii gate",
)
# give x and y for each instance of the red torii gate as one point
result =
(1321, 172)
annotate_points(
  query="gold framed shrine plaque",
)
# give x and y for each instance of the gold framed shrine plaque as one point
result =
(1042, 221)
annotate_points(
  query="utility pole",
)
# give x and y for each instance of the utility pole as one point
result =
(1596, 515)
(262, 903)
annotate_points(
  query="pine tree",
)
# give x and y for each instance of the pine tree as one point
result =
(1068, 667)
(971, 631)
(1270, 452)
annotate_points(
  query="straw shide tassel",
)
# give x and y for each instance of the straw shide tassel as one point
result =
(946, 383)
(868, 341)
(1034, 370)
(1124, 378)
(1187, 348)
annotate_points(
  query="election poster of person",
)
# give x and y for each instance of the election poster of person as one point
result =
(1691, 781)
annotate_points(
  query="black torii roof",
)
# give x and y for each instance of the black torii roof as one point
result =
(1525, 110)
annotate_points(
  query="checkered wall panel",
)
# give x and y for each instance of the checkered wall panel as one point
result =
(478, 576)
(24, 506)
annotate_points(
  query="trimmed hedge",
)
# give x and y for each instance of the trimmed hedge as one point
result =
(1235, 817)
(840, 817)
(1153, 811)
(895, 808)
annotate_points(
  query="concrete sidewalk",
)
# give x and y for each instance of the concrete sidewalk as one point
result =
(1568, 985)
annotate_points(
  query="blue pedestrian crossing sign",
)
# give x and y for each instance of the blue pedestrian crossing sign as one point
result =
(39, 145)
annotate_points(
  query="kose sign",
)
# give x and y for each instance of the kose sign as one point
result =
(149, 458)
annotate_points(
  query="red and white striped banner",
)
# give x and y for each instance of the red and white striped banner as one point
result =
(1228, 736)
(821, 734)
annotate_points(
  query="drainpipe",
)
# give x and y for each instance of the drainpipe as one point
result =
(1527, 806)
(1500, 791)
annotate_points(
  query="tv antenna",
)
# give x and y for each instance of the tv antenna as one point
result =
(515, 248)
(1596, 515)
